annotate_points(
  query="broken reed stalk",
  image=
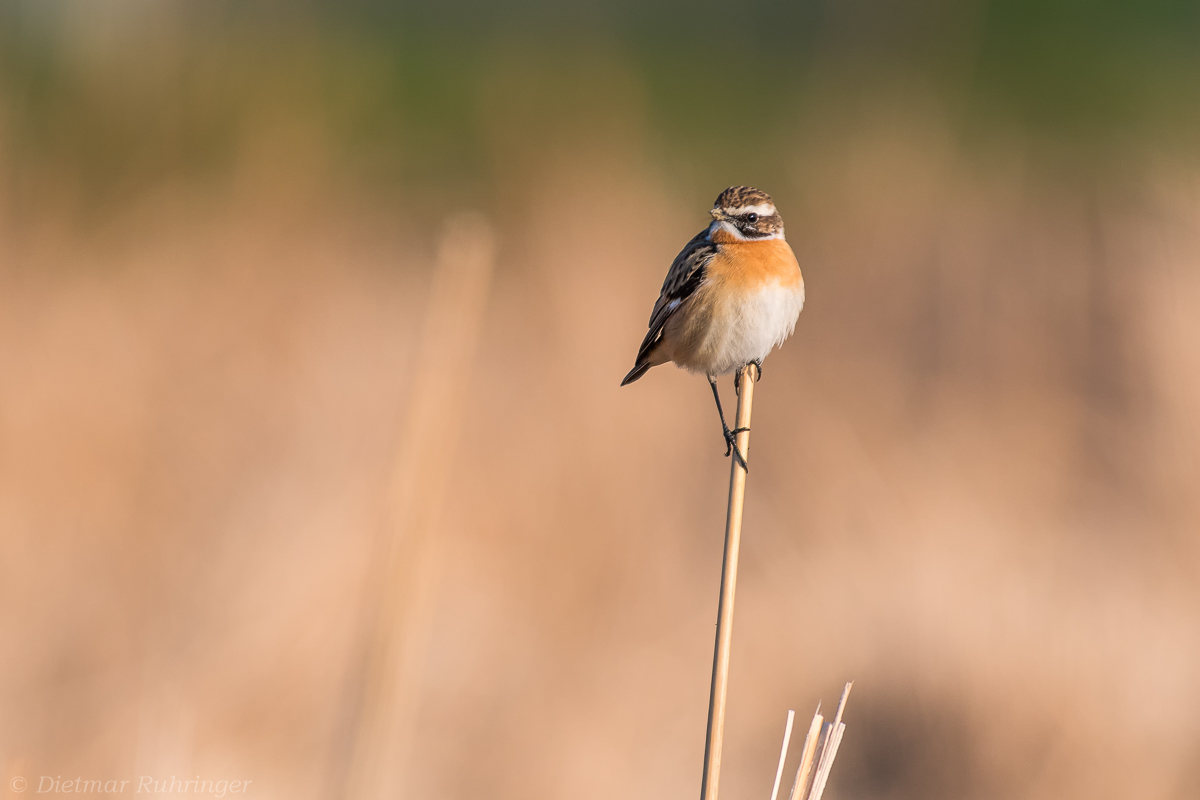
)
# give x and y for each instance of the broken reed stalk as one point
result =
(715, 737)
(804, 771)
(787, 737)
(820, 748)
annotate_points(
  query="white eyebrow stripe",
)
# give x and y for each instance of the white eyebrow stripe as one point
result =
(762, 209)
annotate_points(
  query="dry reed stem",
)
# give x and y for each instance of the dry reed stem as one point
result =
(715, 736)
(783, 751)
(820, 749)
(405, 564)
(804, 771)
(832, 740)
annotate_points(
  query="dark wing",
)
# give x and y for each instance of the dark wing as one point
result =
(685, 276)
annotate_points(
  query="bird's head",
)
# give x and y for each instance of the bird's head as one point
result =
(747, 214)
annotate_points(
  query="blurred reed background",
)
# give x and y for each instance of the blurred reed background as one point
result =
(975, 465)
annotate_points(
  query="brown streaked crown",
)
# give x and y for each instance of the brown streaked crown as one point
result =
(750, 210)
(738, 196)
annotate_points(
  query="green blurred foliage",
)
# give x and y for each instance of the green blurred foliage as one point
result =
(121, 96)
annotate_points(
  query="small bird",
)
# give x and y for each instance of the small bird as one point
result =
(734, 292)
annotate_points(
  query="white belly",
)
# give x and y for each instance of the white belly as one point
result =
(749, 329)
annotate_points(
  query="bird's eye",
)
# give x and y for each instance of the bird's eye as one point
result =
(752, 217)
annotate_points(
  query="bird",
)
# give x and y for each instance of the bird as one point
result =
(732, 294)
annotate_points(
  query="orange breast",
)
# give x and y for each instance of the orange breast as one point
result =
(748, 265)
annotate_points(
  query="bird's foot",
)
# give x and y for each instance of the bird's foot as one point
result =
(737, 376)
(731, 447)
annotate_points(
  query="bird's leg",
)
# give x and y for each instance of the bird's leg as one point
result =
(730, 435)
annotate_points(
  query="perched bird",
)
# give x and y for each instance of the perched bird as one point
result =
(733, 293)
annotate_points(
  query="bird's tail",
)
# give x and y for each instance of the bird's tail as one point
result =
(638, 371)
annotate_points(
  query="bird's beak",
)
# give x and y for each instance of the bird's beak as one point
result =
(716, 214)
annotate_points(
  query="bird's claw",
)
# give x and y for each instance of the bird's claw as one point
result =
(737, 376)
(731, 447)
